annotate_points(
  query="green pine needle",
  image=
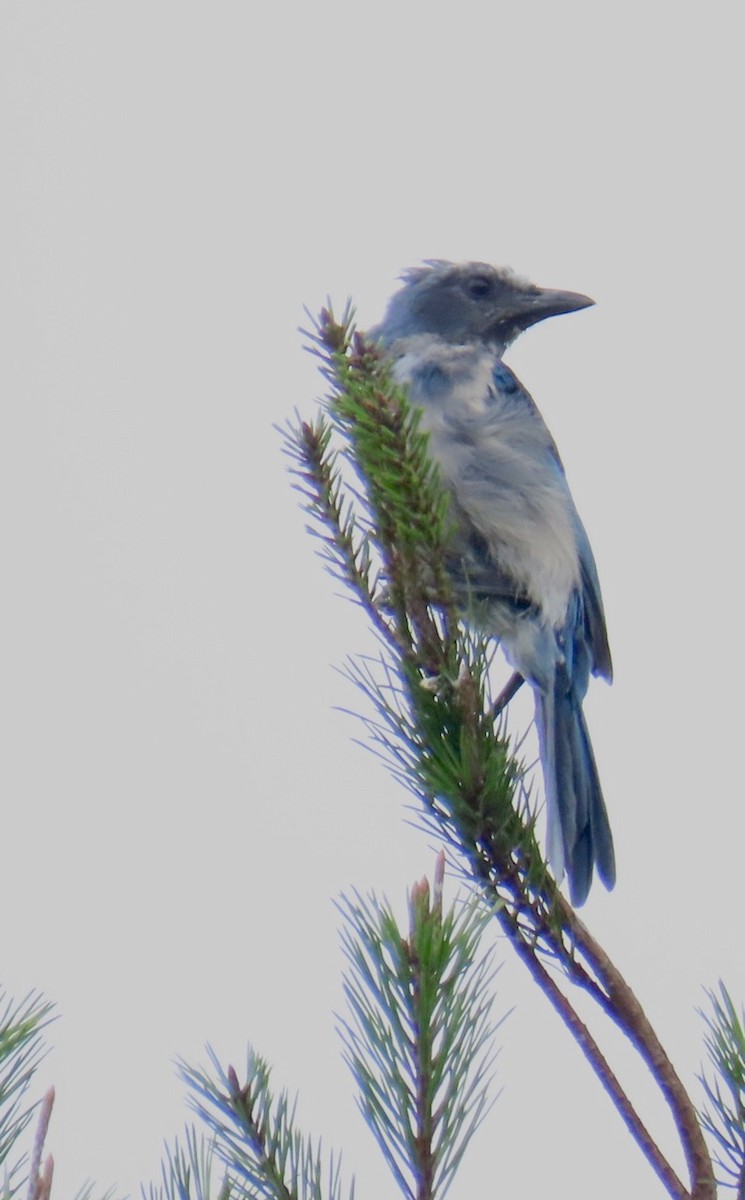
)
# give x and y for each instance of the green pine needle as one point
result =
(419, 1037)
(254, 1135)
(188, 1172)
(725, 1119)
(21, 1051)
(382, 513)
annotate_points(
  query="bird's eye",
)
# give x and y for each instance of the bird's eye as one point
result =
(479, 286)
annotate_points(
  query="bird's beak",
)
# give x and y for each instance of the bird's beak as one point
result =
(529, 307)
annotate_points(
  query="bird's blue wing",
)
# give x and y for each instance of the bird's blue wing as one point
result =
(593, 607)
(590, 616)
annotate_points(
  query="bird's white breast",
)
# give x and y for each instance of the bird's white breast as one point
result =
(496, 456)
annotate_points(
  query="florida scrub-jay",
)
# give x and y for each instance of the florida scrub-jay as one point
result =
(520, 549)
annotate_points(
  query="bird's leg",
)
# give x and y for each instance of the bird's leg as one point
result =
(512, 686)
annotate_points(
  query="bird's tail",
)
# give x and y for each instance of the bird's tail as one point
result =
(579, 836)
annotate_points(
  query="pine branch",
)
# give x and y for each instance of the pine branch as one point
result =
(725, 1118)
(21, 1051)
(187, 1172)
(254, 1134)
(418, 1041)
(430, 694)
(40, 1175)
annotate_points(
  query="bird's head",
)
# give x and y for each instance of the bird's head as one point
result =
(466, 302)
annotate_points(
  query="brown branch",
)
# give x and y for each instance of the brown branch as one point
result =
(40, 1178)
(629, 1016)
(614, 996)
(500, 875)
(598, 1062)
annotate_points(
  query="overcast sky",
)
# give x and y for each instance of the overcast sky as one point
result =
(181, 798)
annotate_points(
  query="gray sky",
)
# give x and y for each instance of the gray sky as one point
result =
(181, 800)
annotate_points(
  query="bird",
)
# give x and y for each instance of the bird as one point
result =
(519, 554)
